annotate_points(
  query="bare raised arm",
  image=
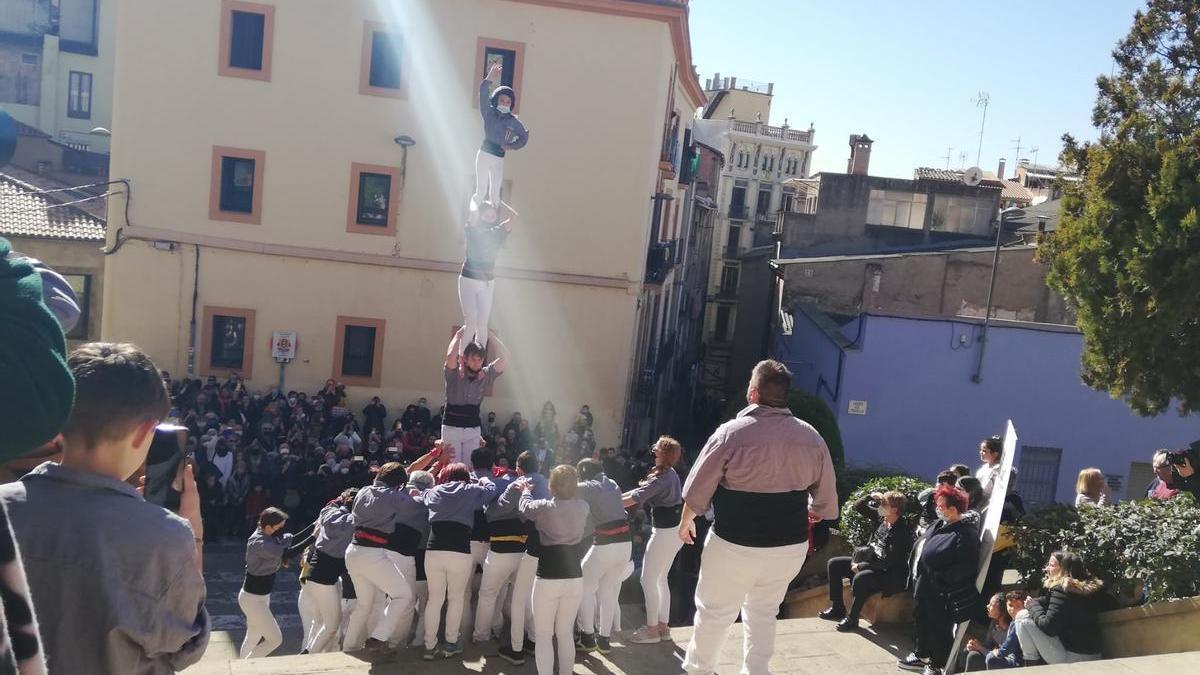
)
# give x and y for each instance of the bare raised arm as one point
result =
(501, 363)
(452, 349)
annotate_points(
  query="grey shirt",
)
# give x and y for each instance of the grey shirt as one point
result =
(335, 531)
(603, 497)
(664, 489)
(500, 128)
(558, 521)
(465, 390)
(495, 511)
(264, 553)
(377, 506)
(113, 577)
(509, 503)
(458, 501)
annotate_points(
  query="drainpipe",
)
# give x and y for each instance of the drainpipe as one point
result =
(977, 378)
(191, 353)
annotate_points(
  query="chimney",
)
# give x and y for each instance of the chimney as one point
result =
(733, 83)
(716, 81)
(770, 88)
(860, 154)
(1000, 170)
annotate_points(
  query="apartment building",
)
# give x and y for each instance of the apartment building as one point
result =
(300, 169)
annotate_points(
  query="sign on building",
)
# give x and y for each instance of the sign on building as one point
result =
(857, 408)
(284, 344)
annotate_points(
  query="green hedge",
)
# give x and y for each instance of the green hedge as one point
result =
(856, 529)
(813, 410)
(1143, 542)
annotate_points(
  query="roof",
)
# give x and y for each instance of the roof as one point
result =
(26, 130)
(1016, 191)
(23, 213)
(881, 255)
(1048, 209)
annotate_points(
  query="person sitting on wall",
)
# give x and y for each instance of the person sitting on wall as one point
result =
(1062, 625)
(879, 567)
(502, 131)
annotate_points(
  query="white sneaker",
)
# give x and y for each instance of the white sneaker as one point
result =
(646, 635)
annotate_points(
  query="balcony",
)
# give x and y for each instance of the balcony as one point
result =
(783, 133)
(659, 261)
(739, 212)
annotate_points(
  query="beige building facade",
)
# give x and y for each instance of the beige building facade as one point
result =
(300, 169)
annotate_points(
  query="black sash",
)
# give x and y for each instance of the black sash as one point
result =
(259, 584)
(613, 532)
(325, 569)
(445, 535)
(666, 516)
(759, 519)
(560, 561)
(404, 540)
(462, 416)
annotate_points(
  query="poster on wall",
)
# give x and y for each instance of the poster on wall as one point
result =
(987, 533)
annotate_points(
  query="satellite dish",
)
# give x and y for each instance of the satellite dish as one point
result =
(973, 176)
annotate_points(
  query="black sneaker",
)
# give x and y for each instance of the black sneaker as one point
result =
(911, 662)
(603, 644)
(529, 648)
(832, 614)
(513, 657)
(585, 643)
(847, 625)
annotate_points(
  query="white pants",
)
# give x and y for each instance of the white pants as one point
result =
(750, 579)
(307, 607)
(660, 553)
(328, 602)
(521, 611)
(449, 576)
(489, 177)
(375, 569)
(405, 632)
(1035, 644)
(625, 574)
(260, 625)
(460, 442)
(475, 298)
(498, 569)
(603, 570)
(479, 551)
(555, 604)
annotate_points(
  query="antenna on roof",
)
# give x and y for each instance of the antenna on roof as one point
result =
(947, 157)
(981, 101)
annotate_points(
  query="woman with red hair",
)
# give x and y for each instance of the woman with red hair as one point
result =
(944, 583)
(448, 562)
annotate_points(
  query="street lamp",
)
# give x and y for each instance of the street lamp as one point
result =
(987, 313)
(405, 142)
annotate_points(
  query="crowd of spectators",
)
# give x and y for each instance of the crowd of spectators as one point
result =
(297, 451)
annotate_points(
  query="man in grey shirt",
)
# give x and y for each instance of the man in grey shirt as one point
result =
(467, 382)
(116, 581)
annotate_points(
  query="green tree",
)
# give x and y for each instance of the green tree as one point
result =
(812, 409)
(1127, 250)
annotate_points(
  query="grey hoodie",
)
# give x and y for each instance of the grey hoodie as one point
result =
(499, 129)
(336, 531)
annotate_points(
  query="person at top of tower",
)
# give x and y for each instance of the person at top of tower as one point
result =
(502, 131)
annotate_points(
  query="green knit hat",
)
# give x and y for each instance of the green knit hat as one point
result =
(36, 386)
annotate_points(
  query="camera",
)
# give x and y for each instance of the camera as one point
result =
(873, 503)
(1191, 453)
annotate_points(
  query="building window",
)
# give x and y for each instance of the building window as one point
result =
(236, 191)
(896, 209)
(764, 202)
(78, 22)
(79, 95)
(82, 285)
(374, 199)
(227, 342)
(247, 31)
(382, 69)
(721, 332)
(1039, 474)
(729, 279)
(358, 350)
(510, 56)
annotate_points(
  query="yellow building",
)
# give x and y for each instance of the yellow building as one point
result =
(273, 189)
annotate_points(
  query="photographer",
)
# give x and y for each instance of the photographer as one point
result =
(1175, 472)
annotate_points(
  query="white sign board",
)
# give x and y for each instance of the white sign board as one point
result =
(284, 344)
(857, 408)
(988, 531)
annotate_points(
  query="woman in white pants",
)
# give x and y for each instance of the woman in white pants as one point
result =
(448, 562)
(662, 493)
(335, 531)
(477, 281)
(408, 541)
(558, 588)
(604, 564)
(371, 565)
(266, 550)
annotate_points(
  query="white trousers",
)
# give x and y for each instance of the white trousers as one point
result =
(521, 611)
(449, 576)
(625, 574)
(1036, 644)
(307, 607)
(262, 631)
(489, 177)
(460, 442)
(555, 605)
(375, 569)
(328, 603)
(660, 553)
(603, 571)
(405, 632)
(475, 298)
(498, 569)
(737, 578)
(479, 551)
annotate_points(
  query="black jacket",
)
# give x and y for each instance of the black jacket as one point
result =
(1070, 609)
(949, 560)
(887, 551)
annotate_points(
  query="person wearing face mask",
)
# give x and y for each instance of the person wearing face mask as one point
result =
(467, 382)
(879, 567)
(502, 131)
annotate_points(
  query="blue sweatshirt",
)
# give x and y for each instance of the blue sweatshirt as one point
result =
(499, 129)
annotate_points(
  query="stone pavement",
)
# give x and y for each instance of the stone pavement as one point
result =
(803, 647)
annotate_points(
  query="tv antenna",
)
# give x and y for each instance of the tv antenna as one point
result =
(981, 101)
(947, 157)
(1018, 155)
(1034, 151)
(962, 159)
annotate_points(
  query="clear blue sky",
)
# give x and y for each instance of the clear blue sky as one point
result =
(905, 73)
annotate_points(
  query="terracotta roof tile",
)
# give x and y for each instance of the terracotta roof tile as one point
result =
(24, 214)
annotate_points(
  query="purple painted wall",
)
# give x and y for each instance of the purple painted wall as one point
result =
(924, 412)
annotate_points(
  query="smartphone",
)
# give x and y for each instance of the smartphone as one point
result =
(358, 458)
(164, 466)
